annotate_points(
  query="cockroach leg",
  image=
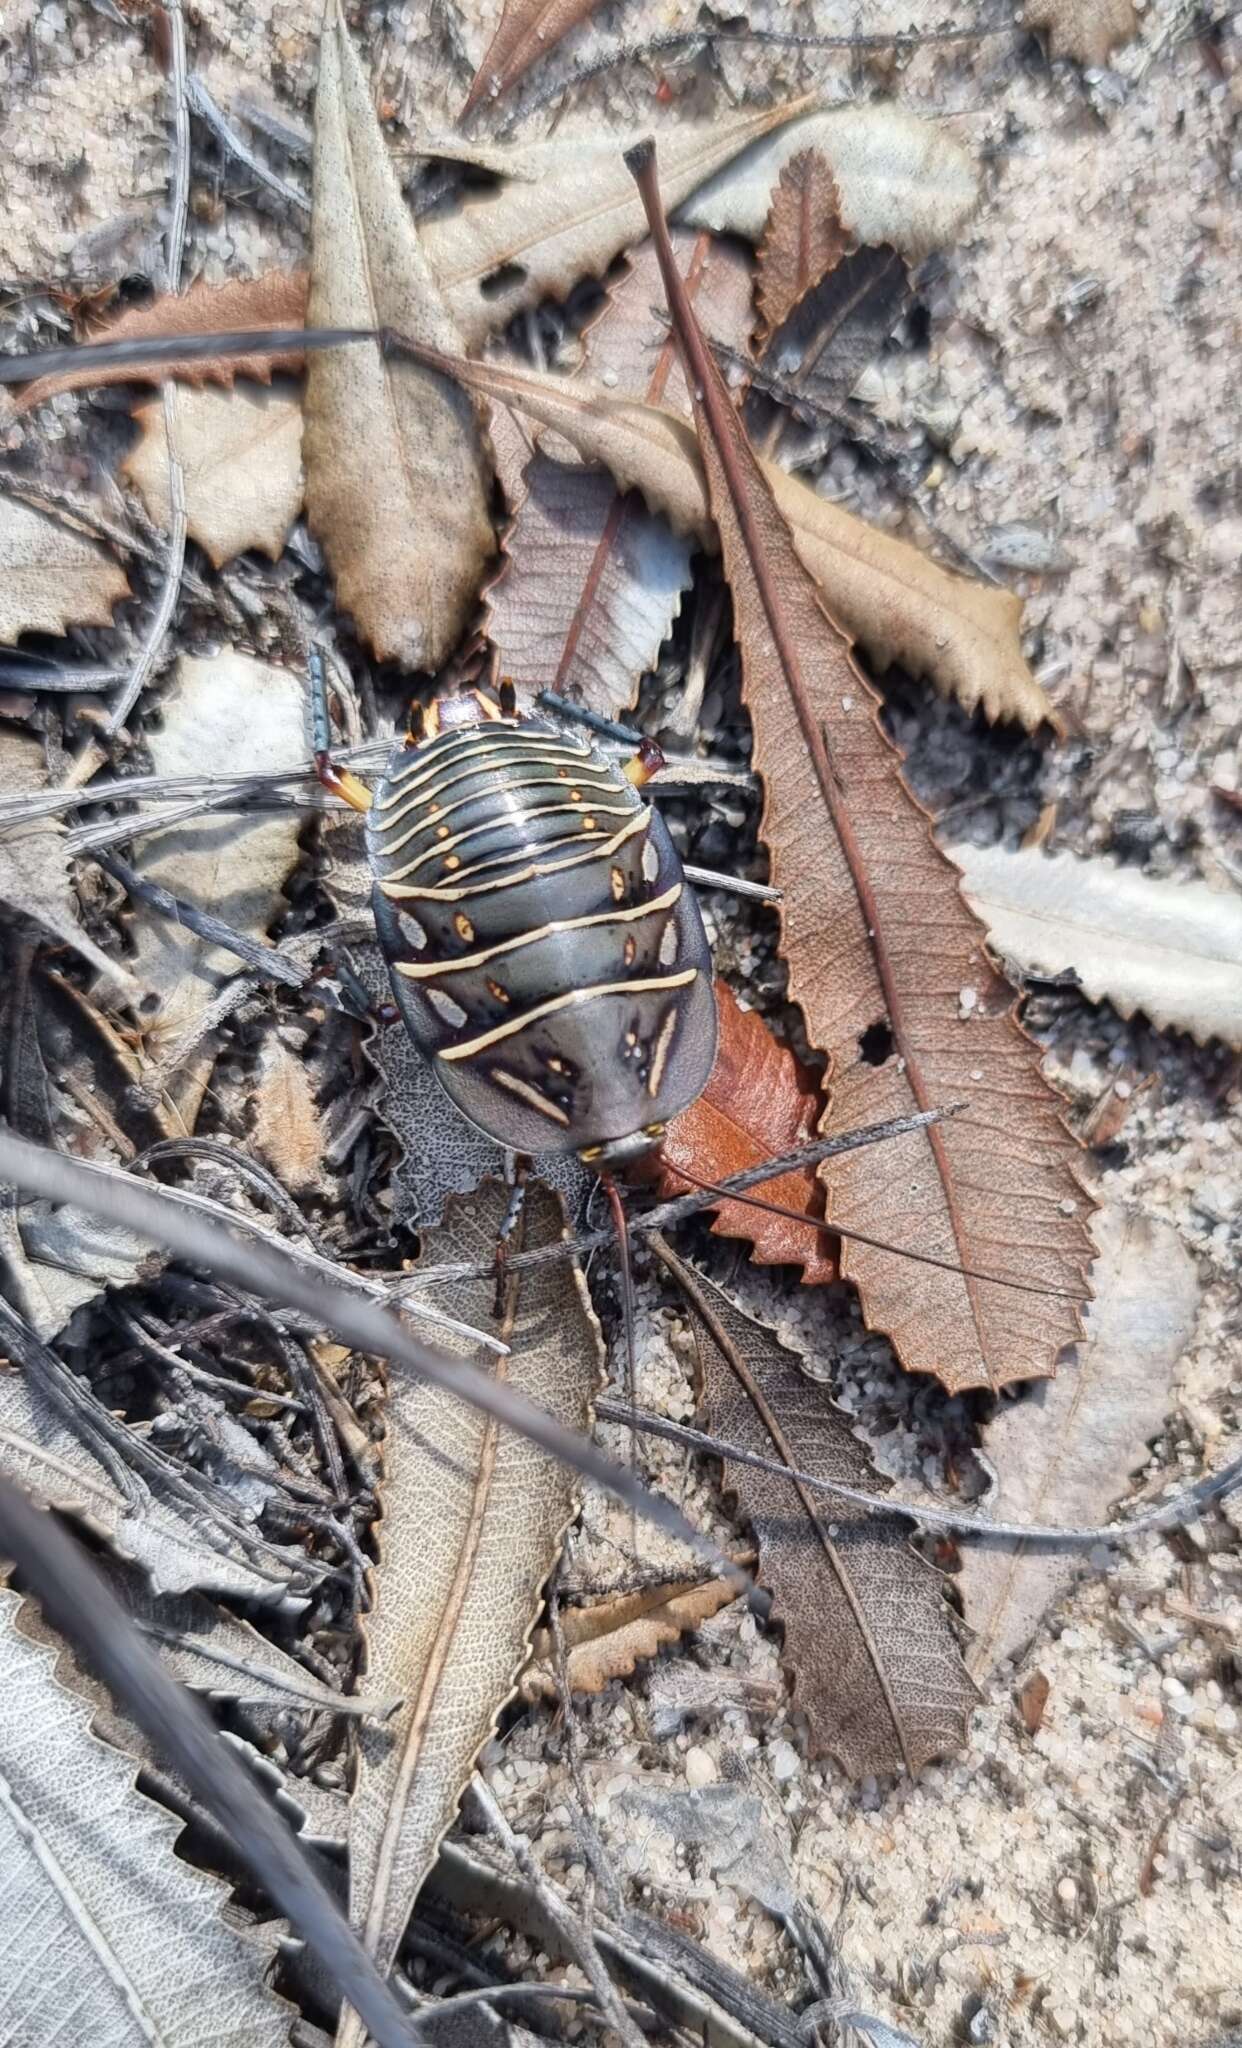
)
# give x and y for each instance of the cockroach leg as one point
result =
(512, 1217)
(646, 763)
(339, 781)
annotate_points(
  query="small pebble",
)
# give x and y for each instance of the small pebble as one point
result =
(700, 1768)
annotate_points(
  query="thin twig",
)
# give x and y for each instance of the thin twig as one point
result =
(78, 1602)
(257, 954)
(1173, 1514)
(576, 1938)
(202, 104)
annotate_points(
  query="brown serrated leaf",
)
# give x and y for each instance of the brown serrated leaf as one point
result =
(890, 969)
(868, 1635)
(52, 577)
(276, 299)
(826, 341)
(472, 1522)
(592, 581)
(241, 455)
(758, 1104)
(1063, 1452)
(528, 30)
(286, 1121)
(605, 1641)
(396, 480)
(805, 238)
(898, 604)
(1086, 29)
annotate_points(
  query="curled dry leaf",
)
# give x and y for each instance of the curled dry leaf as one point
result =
(472, 1522)
(1063, 1452)
(52, 577)
(1086, 29)
(565, 210)
(528, 30)
(236, 869)
(825, 342)
(286, 1121)
(758, 1104)
(607, 1640)
(896, 602)
(899, 178)
(241, 454)
(103, 1921)
(805, 238)
(890, 970)
(396, 482)
(277, 299)
(868, 1635)
(34, 869)
(1170, 949)
(592, 580)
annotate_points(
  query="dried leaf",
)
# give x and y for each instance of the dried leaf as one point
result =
(804, 241)
(868, 1636)
(1063, 1451)
(1032, 1699)
(34, 869)
(528, 30)
(41, 1452)
(241, 453)
(890, 970)
(822, 347)
(1170, 949)
(286, 1121)
(228, 709)
(277, 299)
(607, 1640)
(64, 1258)
(106, 1930)
(51, 577)
(899, 178)
(565, 210)
(895, 601)
(592, 580)
(396, 484)
(758, 1104)
(1086, 29)
(472, 1522)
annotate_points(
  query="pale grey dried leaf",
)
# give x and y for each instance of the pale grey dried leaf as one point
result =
(1170, 949)
(565, 210)
(241, 458)
(34, 871)
(287, 1131)
(868, 1635)
(899, 178)
(472, 1523)
(70, 1259)
(106, 1935)
(51, 577)
(232, 709)
(396, 481)
(1062, 1452)
(41, 1452)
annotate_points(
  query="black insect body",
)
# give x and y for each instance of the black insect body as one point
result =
(544, 947)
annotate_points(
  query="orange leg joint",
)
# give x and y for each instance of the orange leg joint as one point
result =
(646, 764)
(340, 782)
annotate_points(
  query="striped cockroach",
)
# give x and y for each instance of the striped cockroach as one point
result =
(545, 950)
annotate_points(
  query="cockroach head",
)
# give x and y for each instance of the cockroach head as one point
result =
(616, 1153)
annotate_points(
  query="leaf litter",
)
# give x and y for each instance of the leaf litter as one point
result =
(342, 1184)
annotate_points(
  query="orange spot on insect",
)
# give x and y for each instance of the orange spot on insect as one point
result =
(452, 860)
(463, 927)
(575, 796)
(630, 949)
(442, 831)
(588, 824)
(617, 880)
(501, 994)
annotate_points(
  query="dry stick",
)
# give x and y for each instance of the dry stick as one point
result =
(270, 1268)
(1174, 1514)
(79, 1603)
(576, 1938)
(204, 106)
(174, 250)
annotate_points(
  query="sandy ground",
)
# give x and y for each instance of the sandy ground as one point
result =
(1079, 384)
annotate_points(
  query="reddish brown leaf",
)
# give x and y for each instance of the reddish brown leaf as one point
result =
(528, 30)
(868, 1634)
(805, 237)
(1032, 1698)
(591, 581)
(277, 299)
(890, 969)
(758, 1104)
